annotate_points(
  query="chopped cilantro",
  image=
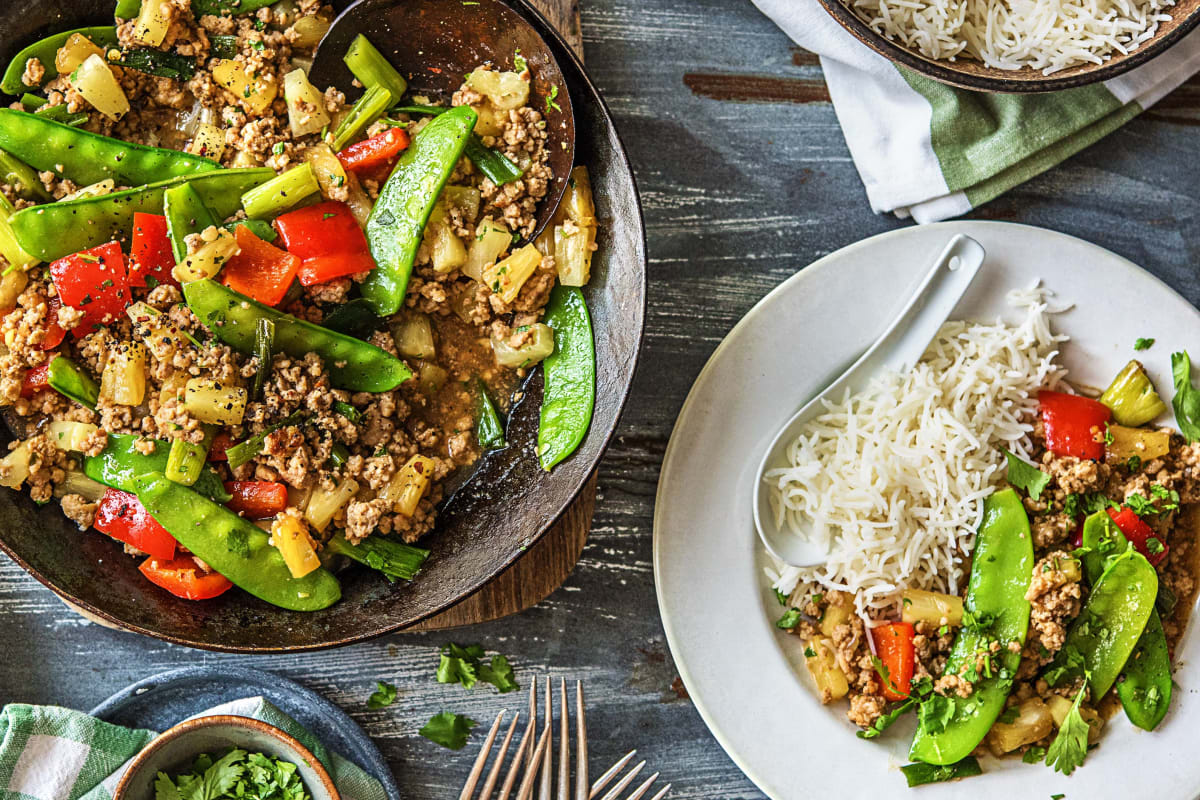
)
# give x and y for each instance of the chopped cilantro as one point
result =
(789, 620)
(809, 652)
(237, 774)
(1154, 546)
(1034, 755)
(384, 695)
(465, 665)
(1134, 463)
(448, 729)
(519, 62)
(550, 104)
(936, 712)
(1069, 748)
(1143, 343)
(1026, 476)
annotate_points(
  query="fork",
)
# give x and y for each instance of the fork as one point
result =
(539, 767)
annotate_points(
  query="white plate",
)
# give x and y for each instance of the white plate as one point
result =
(747, 678)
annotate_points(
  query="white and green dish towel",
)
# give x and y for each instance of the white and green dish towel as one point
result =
(930, 151)
(52, 753)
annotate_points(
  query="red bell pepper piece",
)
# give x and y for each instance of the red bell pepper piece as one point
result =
(54, 332)
(381, 150)
(321, 269)
(260, 270)
(95, 282)
(183, 578)
(257, 499)
(1140, 534)
(894, 647)
(150, 254)
(220, 443)
(122, 517)
(1074, 425)
(35, 380)
(324, 229)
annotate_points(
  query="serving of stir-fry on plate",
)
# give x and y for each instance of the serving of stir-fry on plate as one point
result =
(250, 326)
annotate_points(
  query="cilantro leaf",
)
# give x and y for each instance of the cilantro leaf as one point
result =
(499, 674)
(1026, 476)
(1143, 343)
(936, 712)
(977, 621)
(884, 721)
(384, 695)
(790, 619)
(448, 729)
(1069, 662)
(165, 789)
(224, 773)
(1187, 400)
(1069, 748)
(1034, 755)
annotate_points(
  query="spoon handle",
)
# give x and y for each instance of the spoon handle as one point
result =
(904, 342)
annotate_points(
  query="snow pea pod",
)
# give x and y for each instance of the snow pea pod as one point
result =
(87, 157)
(59, 229)
(120, 462)
(44, 50)
(186, 214)
(1104, 634)
(218, 8)
(398, 220)
(489, 429)
(570, 377)
(1001, 569)
(1145, 688)
(233, 318)
(69, 380)
(233, 546)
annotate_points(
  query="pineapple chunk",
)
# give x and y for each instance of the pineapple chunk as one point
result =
(508, 276)
(74, 52)
(492, 240)
(335, 181)
(14, 467)
(208, 141)
(536, 347)
(408, 486)
(289, 535)
(70, 436)
(218, 246)
(255, 93)
(324, 505)
(212, 401)
(306, 105)
(97, 84)
(153, 22)
(504, 90)
(123, 381)
(831, 681)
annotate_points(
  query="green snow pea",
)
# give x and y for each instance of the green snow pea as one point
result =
(69, 380)
(1001, 569)
(489, 428)
(186, 214)
(44, 50)
(219, 8)
(59, 229)
(23, 177)
(398, 220)
(87, 157)
(1145, 689)
(233, 546)
(127, 9)
(1104, 634)
(570, 377)
(120, 462)
(233, 318)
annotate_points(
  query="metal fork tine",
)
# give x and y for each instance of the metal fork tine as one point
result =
(486, 792)
(645, 787)
(477, 768)
(564, 743)
(662, 792)
(527, 738)
(581, 748)
(611, 773)
(615, 792)
(544, 793)
(526, 790)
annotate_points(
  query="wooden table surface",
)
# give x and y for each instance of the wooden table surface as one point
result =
(745, 179)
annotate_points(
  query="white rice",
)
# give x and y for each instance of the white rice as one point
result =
(1046, 35)
(895, 478)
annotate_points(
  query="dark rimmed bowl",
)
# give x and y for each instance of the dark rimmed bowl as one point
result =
(506, 506)
(970, 74)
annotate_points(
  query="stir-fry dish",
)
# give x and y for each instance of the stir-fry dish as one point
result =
(250, 326)
(1079, 562)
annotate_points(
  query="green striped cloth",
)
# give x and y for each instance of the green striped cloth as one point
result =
(52, 753)
(930, 151)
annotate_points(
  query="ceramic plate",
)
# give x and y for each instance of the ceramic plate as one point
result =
(747, 679)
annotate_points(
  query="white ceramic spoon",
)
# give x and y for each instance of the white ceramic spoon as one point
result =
(897, 350)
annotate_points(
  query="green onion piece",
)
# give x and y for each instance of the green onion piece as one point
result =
(60, 113)
(1132, 397)
(222, 45)
(258, 227)
(281, 192)
(31, 102)
(348, 411)
(919, 774)
(186, 460)
(431, 110)
(158, 63)
(128, 9)
(396, 560)
(492, 163)
(245, 450)
(10, 248)
(338, 455)
(16, 172)
(68, 379)
(489, 430)
(264, 343)
(372, 69)
(366, 110)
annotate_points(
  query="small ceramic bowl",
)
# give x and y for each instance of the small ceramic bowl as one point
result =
(176, 749)
(967, 73)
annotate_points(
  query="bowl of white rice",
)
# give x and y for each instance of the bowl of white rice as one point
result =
(1017, 45)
